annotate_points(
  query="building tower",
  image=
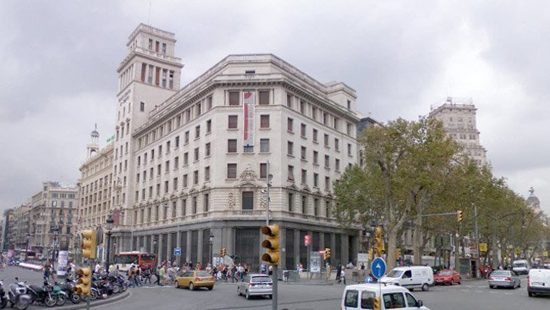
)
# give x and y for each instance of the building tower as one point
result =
(459, 120)
(533, 201)
(148, 75)
(93, 147)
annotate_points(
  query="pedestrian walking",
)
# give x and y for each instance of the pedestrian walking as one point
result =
(132, 277)
(162, 275)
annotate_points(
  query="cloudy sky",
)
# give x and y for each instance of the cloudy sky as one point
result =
(59, 58)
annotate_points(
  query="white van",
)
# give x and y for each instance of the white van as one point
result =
(538, 282)
(411, 277)
(361, 296)
(520, 267)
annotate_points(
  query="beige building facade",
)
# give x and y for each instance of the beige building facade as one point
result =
(459, 119)
(191, 165)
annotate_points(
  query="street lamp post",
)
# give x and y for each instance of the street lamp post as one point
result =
(27, 247)
(210, 242)
(109, 226)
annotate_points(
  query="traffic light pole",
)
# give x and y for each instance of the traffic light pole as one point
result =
(90, 293)
(275, 275)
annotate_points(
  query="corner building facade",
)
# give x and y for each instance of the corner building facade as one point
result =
(192, 164)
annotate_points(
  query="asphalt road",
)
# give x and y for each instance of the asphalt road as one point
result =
(471, 295)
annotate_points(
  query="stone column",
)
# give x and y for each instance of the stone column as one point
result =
(188, 248)
(159, 247)
(199, 248)
(297, 247)
(322, 240)
(344, 240)
(178, 244)
(169, 247)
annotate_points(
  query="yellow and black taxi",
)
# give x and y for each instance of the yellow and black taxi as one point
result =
(194, 279)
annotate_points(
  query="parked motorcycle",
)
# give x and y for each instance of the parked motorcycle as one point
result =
(67, 287)
(57, 291)
(18, 296)
(118, 283)
(42, 294)
(3, 298)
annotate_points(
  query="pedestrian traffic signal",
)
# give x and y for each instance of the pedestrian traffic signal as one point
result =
(459, 215)
(327, 253)
(379, 241)
(376, 303)
(89, 243)
(84, 281)
(223, 252)
(271, 243)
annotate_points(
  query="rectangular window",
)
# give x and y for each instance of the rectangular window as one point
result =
(337, 144)
(263, 171)
(150, 74)
(199, 109)
(304, 176)
(207, 173)
(349, 128)
(186, 140)
(315, 180)
(157, 76)
(327, 208)
(314, 113)
(206, 202)
(231, 171)
(264, 97)
(177, 142)
(232, 146)
(302, 107)
(248, 149)
(143, 69)
(152, 155)
(164, 48)
(184, 207)
(303, 153)
(234, 98)
(232, 121)
(327, 161)
(315, 133)
(316, 207)
(186, 159)
(304, 205)
(139, 160)
(337, 164)
(303, 129)
(185, 180)
(194, 207)
(290, 148)
(289, 101)
(167, 166)
(290, 202)
(142, 106)
(164, 77)
(315, 157)
(158, 169)
(335, 123)
(264, 145)
(290, 173)
(195, 177)
(207, 149)
(326, 140)
(349, 149)
(160, 150)
(196, 152)
(248, 200)
(264, 121)
(325, 118)
(208, 126)
(327, 184)
(290, 125)
(349, 104)
(166, 187)
(175, 184)
(157, 45)
(168, 147)
(197, 132)
(171, 80)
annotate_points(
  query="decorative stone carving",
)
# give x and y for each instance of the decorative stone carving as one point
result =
(248, 177)
(231, 200)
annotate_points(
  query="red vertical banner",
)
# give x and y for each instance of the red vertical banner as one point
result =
(249, 102)
(307, 240)
(116, 218)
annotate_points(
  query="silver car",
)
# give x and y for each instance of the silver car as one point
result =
(504, 278)
(255, 285)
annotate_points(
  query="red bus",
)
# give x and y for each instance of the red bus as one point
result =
(124, 260)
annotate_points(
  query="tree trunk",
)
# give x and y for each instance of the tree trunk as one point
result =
(392, 245)
(417, 240)
(495, 253)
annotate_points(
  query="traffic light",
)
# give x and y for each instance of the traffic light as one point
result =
(327, 253)
(223, 252)
(397, 253)
(271, 243)
(84, 282)
(89, 243)
(371, 254)
(376, 303)
(379, 241)
(459, 215)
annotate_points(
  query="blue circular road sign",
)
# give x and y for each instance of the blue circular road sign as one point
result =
(378, 267)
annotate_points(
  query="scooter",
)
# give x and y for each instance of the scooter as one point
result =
(73, 296)
(42, 294)
(17, 295)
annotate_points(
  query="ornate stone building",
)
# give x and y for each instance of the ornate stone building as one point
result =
(191, 164)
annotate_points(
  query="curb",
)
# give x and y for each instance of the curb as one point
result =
(100, 302)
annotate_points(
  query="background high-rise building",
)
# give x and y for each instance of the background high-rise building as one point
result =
(459, 119)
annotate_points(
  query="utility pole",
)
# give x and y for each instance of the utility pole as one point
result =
(275, 275)
(478, 262)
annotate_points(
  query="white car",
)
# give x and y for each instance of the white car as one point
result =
(520, 267)
(538, 282)
(256, 285)
(410, 277)
(361, 296)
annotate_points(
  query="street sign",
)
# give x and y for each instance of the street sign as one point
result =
(307, 240)
(177, 251)
(378, 267)
(483, 247)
